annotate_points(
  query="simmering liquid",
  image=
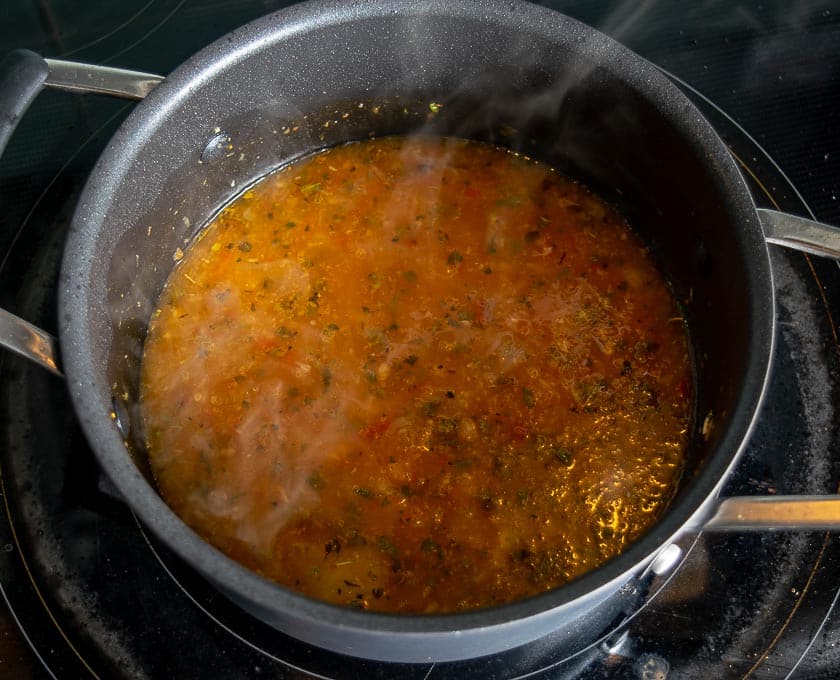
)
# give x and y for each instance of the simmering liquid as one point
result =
(417, 375)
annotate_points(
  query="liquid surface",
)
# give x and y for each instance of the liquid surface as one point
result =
(417, 376)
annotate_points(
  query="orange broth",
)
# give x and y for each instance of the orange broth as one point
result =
(417, 375)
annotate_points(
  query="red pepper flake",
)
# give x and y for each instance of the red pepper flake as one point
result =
(377, 429)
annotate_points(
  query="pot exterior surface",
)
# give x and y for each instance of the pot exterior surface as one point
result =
(322, 73)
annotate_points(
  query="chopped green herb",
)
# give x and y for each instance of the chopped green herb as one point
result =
(446, 427)
(528, 397)
(374, 280)
(430, 408)
(316, 481)
(386, 545)
(428, 545)
(563, 455)
(310, 189)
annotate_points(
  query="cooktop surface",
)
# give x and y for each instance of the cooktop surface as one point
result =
(86, 592)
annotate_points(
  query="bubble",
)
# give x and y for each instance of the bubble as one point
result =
(218, 146)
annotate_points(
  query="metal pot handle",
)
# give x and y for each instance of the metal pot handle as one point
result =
(763, 513)
(781, 513)
(22, 76)
(799, 233)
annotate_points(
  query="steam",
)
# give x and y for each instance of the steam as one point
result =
(258, 476)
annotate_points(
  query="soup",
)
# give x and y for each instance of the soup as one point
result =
(417, 375)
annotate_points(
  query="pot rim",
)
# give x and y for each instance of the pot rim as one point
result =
(81, 348)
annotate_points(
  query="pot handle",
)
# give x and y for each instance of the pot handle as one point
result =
(780, 513)
(763, 513)
(92, 79)
(22, 76)
(799, 233)
(29, 341)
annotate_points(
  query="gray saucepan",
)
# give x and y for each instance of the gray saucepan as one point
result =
(329, 71)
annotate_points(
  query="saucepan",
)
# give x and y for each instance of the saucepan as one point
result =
(508, 72)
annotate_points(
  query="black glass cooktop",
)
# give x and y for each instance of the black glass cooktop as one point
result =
(86, 593)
